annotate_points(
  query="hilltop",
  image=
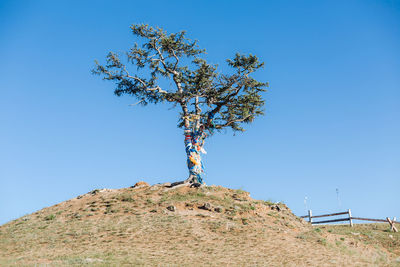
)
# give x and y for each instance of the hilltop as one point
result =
(182, 226)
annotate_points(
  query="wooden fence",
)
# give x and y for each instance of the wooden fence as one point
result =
(349, 218)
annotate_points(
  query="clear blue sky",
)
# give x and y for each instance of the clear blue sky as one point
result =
(332, 112)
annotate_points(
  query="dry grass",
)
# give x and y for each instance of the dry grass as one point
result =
(375, 234)
(132, 226)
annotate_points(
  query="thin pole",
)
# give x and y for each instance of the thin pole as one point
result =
(338, 199)
(392, 227)
(350, 219)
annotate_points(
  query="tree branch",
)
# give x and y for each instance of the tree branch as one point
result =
(174, 73)
(177, 59)
(226, 101)
(198, 113)
(146, 87)
(220, 126)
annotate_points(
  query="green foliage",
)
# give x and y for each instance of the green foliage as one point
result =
(50, 217)
(199, 89)
(240, 191)
(126, 197)
(322, 241)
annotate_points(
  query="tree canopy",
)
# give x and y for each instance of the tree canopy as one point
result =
(199, 89)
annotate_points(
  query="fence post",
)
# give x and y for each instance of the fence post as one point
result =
(392, 227)
(351, 221)
(310, 216)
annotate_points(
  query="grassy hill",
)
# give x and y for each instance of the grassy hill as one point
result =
(183, 226)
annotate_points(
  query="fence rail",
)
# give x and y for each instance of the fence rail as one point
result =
(373, 220)
(330, 221)
(326, 215)
(349, 218)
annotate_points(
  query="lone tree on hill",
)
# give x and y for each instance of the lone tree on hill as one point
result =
(209, 101)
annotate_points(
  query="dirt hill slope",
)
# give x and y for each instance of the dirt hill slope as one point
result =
(180, 226)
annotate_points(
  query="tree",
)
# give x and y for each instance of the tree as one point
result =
(209, 101)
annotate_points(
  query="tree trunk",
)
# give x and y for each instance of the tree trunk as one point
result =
(194, 142)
